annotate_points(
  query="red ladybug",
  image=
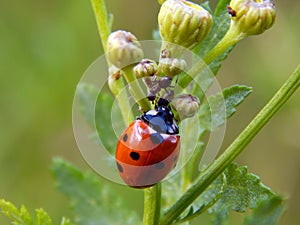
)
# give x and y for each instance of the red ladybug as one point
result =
(148, 149)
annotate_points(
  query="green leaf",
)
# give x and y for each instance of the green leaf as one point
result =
(24, 214)
(221, 7)
(243, 190)
(92, 202)
(22, 217)
(267, 212)
(211, 113)
(221, 22)
(87, 95)
(9, 210)
(97, 110)
(42, 217)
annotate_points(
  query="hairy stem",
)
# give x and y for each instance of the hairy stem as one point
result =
(101, 20)
(238, 145)
(152, 197)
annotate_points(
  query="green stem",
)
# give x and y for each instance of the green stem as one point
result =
(220, 164)
(232, 37)
(135, 89)
(152, 197)
(116, 85)
(102, 20)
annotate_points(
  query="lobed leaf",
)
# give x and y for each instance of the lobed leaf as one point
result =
(211, 113)
(221, 22)
(267, 212)
(42, 217)
(243, 190)
(92, 202)
(22, 217)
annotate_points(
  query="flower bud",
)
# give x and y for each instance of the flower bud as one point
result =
(114, 81)
(123, 49)
(186, 105)
(183, 23)
(172, 66)
(145, 68)
(252, 17)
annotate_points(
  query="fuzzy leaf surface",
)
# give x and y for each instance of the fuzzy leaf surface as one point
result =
(243, 190)
(267, 212)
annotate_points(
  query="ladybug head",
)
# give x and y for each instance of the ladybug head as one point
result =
(161, 119)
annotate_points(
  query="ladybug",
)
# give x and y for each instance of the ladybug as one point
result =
(148, 149)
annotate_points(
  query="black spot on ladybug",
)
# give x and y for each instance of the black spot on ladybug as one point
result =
(159, 165)
(156, 138)
(134, 155)
(125, 137)
(120, 168)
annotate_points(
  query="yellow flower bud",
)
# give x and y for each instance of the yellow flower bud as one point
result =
(145, 68)
(186, 105)
(172, 66)
(123, 49)
(183, 23)
(252, 17)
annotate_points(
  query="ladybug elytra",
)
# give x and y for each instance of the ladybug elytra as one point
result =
(148, 149)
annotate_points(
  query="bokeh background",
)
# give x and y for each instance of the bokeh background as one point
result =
(45, 46)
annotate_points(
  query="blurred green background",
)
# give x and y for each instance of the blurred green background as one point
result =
(46, 46)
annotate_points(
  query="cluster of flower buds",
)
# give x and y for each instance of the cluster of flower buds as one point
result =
(182, 24)
(252, 17)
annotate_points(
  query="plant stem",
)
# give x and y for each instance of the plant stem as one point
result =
(220, 164)
(102, 20)
(232, 37)
(135, 89)
(116, 85)
(152, 197)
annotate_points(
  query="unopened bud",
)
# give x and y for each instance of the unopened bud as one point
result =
(183, 23)
(252, 17)
(186, 105)
(114, 81)
(145, 68)
(172, 66)
(123, 49)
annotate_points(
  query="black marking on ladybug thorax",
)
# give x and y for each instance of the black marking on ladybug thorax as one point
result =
(156, 138)
(125, 137)
(134, 155)
(159, 165)
(120, 168)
